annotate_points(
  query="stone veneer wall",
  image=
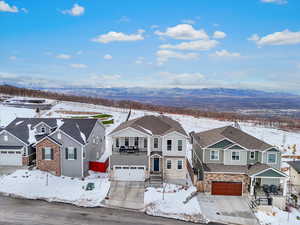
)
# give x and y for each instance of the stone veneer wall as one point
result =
(210, 177)
(52, 166)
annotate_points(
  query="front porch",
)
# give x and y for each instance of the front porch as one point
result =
(156, 168)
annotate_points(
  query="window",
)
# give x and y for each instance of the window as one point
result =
(235, 156)
(48, 153)
(155, 142)
(179, 164)
(214, 155)
(272, 158)
(83, 154)
(169, 145)
(136, 141)
(117, 142)
(127, 141)
(169, 164)
(59, 135)
(71, 153)
(145, 143)
(5, 137)
(252, 155)
(179, 145)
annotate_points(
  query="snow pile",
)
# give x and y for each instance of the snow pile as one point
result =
(31, 133)
(279, 217)
(33, 185)
(59, 123)
(173, 204)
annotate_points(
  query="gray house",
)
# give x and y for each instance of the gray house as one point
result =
(149, 147)
(228, 161)
(62, 146)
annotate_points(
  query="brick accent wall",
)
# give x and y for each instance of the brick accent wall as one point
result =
(210, 177)
(52, 166)
(25, 161)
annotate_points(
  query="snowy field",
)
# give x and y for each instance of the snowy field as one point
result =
(279, 217)
(171, 203)
(36, 184)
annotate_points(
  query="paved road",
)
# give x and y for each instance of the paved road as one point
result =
(33, 212)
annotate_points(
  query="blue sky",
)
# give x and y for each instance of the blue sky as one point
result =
(189, 44)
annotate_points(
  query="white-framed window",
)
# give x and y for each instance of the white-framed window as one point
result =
(169, 164)
(179, 145)
(235, 156)
(98, 155)
(179, 164)
(117, 142)
(252, 155)
(83, 154)
(169, 145)
(59, 135)
(214, 155)
(5, 137)
(48, 153)
(155, 142)
(271, 157)
(71, 153)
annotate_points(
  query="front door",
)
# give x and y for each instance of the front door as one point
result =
(156, 165)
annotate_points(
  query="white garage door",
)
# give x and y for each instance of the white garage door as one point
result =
(10, 158)
(129, 173)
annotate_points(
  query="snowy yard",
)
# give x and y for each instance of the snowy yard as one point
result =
(33, 185)
(172, 205)
(279, 217)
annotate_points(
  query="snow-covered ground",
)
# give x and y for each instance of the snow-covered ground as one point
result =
(37, 184)
(279, 217)
(170, 203)
(8, 114)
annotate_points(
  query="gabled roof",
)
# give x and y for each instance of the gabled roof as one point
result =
(210, 137)
(76, 128)
(152, 125)
(295, 165)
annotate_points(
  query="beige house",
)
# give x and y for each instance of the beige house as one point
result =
(294, 173)
(149, 147)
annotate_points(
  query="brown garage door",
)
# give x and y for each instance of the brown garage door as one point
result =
(226, 188)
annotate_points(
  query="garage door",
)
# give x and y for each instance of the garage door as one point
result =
(226, 188)
(10, 158)
(129, 173)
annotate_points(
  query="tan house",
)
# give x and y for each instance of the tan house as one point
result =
(294, 173)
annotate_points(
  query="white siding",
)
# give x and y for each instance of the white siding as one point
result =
(174, 136)
(228, 159)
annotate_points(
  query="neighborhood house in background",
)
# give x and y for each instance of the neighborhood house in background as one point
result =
(149, 147)
(228, 161)
(60, 146)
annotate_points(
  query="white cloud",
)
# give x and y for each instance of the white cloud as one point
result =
(97, 80)
(164, 55)
(140, 60)
(124, 19)
(285, 37)
(187, 21)
(78, 66)
(77, 10)
(107, 56)
(154, 26)
(219, 34)
(63, 56)
(13, 57)
(113, 36)
(183, 32)
(25, 10)
(225, 53)
(279, 2)
(200, 45)
(79, 52)
(182, 79)
(5, 7)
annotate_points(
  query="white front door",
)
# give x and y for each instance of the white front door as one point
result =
(10, 158)
(129, 173)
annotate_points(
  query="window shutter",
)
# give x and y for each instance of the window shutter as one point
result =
(43, 153)
(67, 153)
(75, 153)
(52, 152)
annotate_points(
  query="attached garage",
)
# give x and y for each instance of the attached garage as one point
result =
(226, 188)
(10, 157)
(129, 173)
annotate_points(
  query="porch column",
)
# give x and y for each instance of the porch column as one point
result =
(148, 146)
(252, 186)
(284, 187)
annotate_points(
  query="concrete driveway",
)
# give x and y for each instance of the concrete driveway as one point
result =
(226, 209)
(126, 194)
(5, 170)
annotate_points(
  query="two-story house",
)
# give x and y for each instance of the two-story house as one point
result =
(149, 147)
(61, 146)
(228, 161)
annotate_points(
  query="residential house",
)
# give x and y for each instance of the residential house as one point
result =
(61, 146)
(149, 147)
(294, 173)
(228, 161)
